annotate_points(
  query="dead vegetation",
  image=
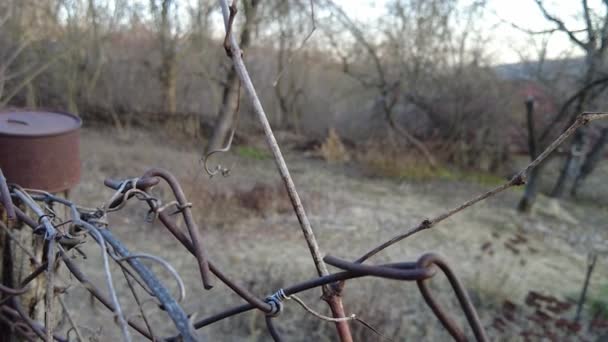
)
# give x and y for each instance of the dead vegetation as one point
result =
(333, 150)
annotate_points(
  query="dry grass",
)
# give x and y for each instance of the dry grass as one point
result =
(395, 164)
(385, 160)
(333, 150)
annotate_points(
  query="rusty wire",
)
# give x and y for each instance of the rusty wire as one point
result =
(408, 271)
(184, 205)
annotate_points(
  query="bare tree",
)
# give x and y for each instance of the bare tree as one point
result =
(288, 88)
(428, 58)
(23, 26)
(226, 115)
(387, 86)
(165, 17)
(593, 41)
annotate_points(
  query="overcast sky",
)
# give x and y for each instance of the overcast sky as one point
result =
(507, 40)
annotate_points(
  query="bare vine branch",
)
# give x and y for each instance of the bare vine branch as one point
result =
(518, 179)
(313, 246)
(241, 69)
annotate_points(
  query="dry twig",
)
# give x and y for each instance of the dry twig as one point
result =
(334, 301)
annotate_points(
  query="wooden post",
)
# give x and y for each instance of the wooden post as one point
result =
(17, 264)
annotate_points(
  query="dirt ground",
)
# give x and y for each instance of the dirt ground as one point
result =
(498, 254)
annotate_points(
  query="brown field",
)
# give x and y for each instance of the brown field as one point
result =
(254, 236)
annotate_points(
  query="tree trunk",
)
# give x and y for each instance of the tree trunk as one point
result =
(527, 201)
(225, 117)
(167, 72)
(591, 161)
(572, 167)
(168, 79)
(15, 265)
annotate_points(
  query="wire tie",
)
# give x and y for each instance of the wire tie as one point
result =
(276, 302)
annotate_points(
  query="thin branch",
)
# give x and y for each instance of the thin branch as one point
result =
(17, 51)
(518, 179)
(19, 244)
(193, 230)
(165, 219)
(32, 76)
(97, 293)
(604, 33)
(139, 304)
(241, 69)
(564, 108)
(239, 65)
(587, 15)
(39, 330)
(530, 31)
(302, 45)
(71, 319)
(126, 270)
(360, 37)
(560, 25)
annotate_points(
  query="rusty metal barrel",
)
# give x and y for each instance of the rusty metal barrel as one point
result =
(40, 150)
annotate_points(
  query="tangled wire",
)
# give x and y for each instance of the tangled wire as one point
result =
(61, 235)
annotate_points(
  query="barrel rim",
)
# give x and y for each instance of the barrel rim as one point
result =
(75, 128)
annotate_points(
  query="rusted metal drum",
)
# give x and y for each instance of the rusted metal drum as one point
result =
(40, 150)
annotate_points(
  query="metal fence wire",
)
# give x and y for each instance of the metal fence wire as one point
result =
(85, 225)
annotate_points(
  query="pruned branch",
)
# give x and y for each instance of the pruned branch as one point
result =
(309, 236)
(243, 74)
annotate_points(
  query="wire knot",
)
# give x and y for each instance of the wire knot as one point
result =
(48, 216)
(276, 302)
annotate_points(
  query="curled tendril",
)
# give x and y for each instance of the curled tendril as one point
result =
(219, 168)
